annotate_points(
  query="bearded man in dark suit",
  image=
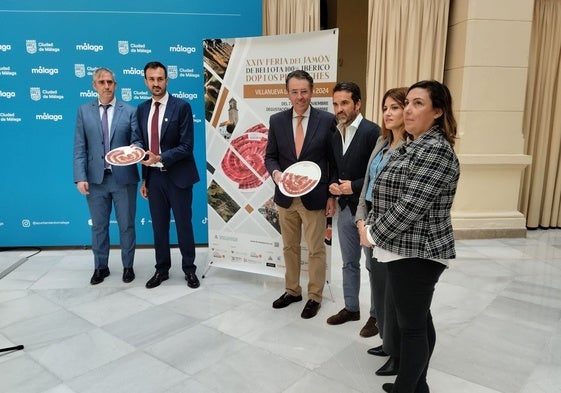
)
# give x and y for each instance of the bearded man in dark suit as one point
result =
(166, 132)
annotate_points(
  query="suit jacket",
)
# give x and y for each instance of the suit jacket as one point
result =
(412, 198)
(89, 157)
(281, 153)
(176, 141)
(352, 165)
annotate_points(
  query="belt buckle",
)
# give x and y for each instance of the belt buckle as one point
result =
(162, 169)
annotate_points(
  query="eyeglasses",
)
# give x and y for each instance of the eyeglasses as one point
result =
(294, 93)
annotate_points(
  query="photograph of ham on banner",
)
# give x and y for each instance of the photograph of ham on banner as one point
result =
(244, 85)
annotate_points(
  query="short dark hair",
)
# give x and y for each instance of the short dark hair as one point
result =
(300, 74)
(442, 99)
(351, 87)
(154, 65)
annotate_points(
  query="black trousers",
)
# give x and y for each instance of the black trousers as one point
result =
(412, 283)
(382, 299)
(164, 197)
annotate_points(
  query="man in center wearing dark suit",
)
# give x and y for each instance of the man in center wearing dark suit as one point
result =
(352, 146)
(302, 133)
(165, 131)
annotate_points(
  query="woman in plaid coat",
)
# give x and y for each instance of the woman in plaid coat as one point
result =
(410, 227)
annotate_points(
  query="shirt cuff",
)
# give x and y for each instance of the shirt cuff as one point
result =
(368, 235)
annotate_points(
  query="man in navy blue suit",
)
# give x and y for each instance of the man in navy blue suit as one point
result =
(352, 146)
(165, 130)
(102, 125)
(302, 133)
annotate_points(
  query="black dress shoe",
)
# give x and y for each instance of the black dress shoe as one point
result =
(192, 280)
(99, 275)
(156, 280)
(285, 300)
(377, 351)
(128, 274)
(388, 387)
(310, 309)
(391, 367)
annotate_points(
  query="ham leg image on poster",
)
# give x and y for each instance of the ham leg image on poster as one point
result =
(244, 161)
(125, 155)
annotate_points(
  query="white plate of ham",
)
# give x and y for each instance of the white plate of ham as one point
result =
(300, 178)
(125, 155)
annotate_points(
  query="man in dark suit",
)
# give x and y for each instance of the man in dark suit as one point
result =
(302, 133)
(102, 125)
(165, 131)
(352, 146)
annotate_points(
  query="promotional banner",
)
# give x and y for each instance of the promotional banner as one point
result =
(48, 53)
(244, 86)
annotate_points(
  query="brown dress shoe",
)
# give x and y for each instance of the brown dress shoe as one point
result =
(370, 329)
(343, 316)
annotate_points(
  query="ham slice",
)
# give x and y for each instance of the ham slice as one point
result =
(125, 155)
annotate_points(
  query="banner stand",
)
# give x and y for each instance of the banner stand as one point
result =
(244, 85)
(8, 349)
(207, 269)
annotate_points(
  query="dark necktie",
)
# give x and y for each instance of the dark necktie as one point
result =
(154, 134)
(105, 129)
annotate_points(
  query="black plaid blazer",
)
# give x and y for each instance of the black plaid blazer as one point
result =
(412, 198)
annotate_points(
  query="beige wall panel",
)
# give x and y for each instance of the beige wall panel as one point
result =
(493, 89)
(500, 9)
(485, 188)
(454, 79)
(456, 46)
(498, 43)
(459, 11)
(490, 132)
